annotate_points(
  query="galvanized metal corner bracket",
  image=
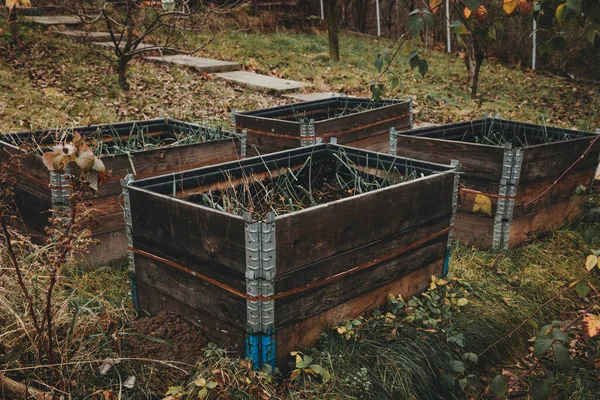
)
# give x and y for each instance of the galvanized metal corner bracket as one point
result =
(232, 117)
(260, 281)
(60, 189)
(128, 179)
(393, 142)
(455, 189)
(244, 143)
(410, 110)
(307, 133)
(507, 192)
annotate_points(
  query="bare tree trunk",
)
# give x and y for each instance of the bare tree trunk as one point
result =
(124, 54)
(122, 72)
(332, 29)
(13, 27)
(473, 61)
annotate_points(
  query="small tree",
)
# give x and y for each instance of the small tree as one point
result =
(478, 21)
(11, 20)
(132, 23)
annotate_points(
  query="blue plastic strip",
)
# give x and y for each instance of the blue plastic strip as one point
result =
(446, 263)
(268, 349)
(253, 348)
(134, 295)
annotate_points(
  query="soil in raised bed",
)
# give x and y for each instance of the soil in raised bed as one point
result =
(499, 134)
(293, 190)
(111, 143)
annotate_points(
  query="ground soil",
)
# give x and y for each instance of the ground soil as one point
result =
(185, 341)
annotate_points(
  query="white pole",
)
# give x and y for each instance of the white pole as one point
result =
(448, 45)
(378, 19)
(322, 11)
(534, 50)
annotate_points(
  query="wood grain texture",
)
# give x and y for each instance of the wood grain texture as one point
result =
(234, 279)
(345, 261)
(187, 289)
(527, 226)
(306, 333)
(474, 230)
(112, 246)
(560, 192)
(255, 125)
(555, 158)
(152, 303)
(168, 159)
(205, 234)
(294, 309)
(370, 122)
(318, 233)
(478, 161)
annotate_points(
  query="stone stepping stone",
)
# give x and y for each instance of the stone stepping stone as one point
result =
(83, 36)
(315, 96)
(201, 64)
(263, 83)
(53, 19)
(111, 45)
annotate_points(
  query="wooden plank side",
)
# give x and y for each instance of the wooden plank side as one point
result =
(361, 133)
(478, 161)
(478, 197)
(307, 332)
(187, 289)
(555, 158)
(108, 223)
(474, 230)
(392, 115)
(29, 163)
(318, 233)
(379, 143)
(526, 227)
(168, 159)
(258, 125)
(36, 187)
(234, 279)
(293, 309)
(33, 210)
(277, 143)
(560, 192)
(355, 257)
(112, 246)
(205, 234)
(152, 303)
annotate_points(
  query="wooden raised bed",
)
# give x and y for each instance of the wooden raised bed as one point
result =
(352, 121)
(509, 190)
(35, 194)
(267, 283)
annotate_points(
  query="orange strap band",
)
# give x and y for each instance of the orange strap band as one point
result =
(295, 290)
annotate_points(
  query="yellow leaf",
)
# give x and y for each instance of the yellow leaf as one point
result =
(560, 14)
(467, 13)
(12, 3)
(25, 3)
(434, 5)
(590, 262)
(591, 325)
(201, 382)
(509, 6)
(340, 329)
(462, 302)
(482, 205)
